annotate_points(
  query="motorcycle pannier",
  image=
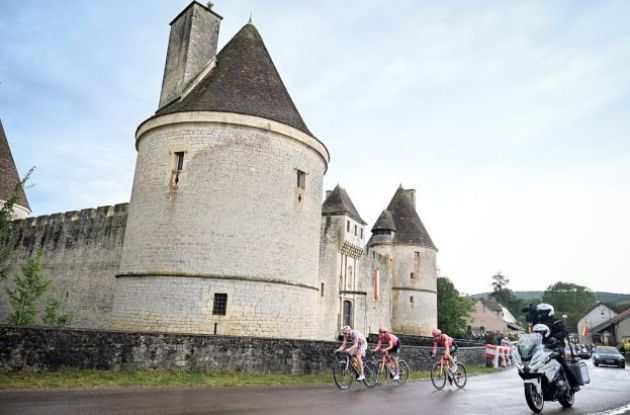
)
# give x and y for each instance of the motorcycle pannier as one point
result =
(580, 370)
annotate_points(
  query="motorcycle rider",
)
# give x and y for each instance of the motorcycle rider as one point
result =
(544, 314)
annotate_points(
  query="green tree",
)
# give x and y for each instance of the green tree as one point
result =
(53, 317)
(502, 294)
(7, 238)
(571, 300)
(29, 287)
(453, 308)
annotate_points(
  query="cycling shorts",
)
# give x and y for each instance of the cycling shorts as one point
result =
(360, 351)
(453, 349)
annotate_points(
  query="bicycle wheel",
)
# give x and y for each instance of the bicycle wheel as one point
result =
(381, 373)
(343, 374)
(369, 371)
(438, 376)
(403, 372)
(459, 377)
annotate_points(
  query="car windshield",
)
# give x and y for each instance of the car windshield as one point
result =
(608, 351)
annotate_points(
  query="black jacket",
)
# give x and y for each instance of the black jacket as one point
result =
(557, 329)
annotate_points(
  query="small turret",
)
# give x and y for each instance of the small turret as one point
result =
(400, 233)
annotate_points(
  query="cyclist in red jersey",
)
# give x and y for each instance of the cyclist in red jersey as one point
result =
(442, 340)
(392, 350)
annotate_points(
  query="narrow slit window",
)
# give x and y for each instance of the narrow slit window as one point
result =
(348, 227)
(361, 233)
(411, 275)
(220, 304)
(179, 160)
(355, 230)
(411, 299)
(322, 289)
(301, 179)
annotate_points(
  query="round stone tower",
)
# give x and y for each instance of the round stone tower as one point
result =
(399, 232)
(9, 179)
(223, 228)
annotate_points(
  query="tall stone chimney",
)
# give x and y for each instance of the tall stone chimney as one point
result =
(411, 194)
(191, 47)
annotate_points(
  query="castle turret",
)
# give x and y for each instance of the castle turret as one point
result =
(343, 238)
(223, 228)
(9, 179)
(399, 232)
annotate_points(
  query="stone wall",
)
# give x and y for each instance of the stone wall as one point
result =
(81, 254)
(34, 348)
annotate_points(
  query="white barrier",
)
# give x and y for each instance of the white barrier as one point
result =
(498, 356)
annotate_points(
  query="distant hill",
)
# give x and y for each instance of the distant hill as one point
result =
(603, 296)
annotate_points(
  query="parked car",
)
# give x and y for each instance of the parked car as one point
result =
(608, 356)
(583, 351)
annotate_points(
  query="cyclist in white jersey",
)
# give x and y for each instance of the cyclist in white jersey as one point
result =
(356, 350)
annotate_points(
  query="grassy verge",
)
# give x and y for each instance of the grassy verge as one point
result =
(74, 378)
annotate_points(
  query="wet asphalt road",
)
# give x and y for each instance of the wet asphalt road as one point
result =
(499, 394)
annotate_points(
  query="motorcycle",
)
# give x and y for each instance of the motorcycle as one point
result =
(543, 376)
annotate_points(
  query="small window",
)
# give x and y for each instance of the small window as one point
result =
(411, 275)
(179, 160)
(417, 254)
(411, 299)
(361, 233)
(355, 230)
(348, 227)
(321, 289)
(328, 220)
(301, 179)
(220, 304)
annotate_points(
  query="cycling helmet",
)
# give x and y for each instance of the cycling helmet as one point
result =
(382, 330)
(346, 329)
(436, 332)
(544, 310)
(541, 329)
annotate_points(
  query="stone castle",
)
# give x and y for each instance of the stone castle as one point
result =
(225, 231)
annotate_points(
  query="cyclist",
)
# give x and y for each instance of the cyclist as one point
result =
(357, 350)
(450, 348)
(392, 349)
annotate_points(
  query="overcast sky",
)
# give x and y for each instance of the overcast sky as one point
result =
(510, 119)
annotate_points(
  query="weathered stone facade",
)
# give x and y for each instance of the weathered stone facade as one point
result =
(81, 255)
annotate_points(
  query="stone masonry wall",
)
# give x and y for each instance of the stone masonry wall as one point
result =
(253, 308)
(81, 254)
(414, 299)
(369, 313)
(235, 215)
(36, 349)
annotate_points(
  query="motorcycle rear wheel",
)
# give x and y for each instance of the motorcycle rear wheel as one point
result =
(534, 399)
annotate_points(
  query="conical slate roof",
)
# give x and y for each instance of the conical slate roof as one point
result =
(244, 81)
(9, 177)
(339, 203)
(409, 227)
(385, 222)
